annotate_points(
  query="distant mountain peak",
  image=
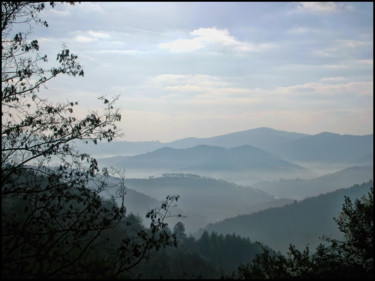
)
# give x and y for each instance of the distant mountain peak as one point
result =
(165, 148)
(206, 146)
(247, 147)
(327, 134)
(263, 129)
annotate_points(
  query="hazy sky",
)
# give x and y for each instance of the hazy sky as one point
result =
(203, 69)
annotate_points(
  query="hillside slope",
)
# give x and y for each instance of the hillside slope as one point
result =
(299, 223)
(299, 189)
(201, 197)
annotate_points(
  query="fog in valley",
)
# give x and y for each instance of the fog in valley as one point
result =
(220, 182)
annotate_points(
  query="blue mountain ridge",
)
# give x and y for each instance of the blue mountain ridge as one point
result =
(205, 157)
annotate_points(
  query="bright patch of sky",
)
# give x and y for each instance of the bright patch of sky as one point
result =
(200, 69)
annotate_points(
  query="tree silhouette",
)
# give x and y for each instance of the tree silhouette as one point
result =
(179, 231)
(54, 222)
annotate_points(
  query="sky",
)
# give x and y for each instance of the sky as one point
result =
(202, 69)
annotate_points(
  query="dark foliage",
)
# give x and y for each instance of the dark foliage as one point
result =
(352, 258)
(54, 223)
(210, 256)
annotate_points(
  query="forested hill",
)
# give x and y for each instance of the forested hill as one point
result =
(302, 188)
(203, 199)
(299, 223)
(211, 256)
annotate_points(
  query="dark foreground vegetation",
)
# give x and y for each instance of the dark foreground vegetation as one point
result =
(352, 258)
(56, 225)
(219, 256)
(74, 233)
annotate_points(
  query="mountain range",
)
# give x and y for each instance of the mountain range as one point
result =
(205, 158)
(329, 148)
(245, 182)
(323, 147)
(204, 200)
(299, 223)
(263, 138)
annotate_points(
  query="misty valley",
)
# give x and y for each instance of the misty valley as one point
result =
(262, 185)
(122, 155)
(256, 204)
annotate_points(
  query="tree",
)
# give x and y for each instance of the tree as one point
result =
(352, 258)
(179, 231)
(54, 221)
(356, 221)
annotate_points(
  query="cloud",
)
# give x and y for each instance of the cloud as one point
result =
(342, 47)
(116, 51)
(90, 7)
(335, 66)
(60, 12)
(205, 91)
(364, 62)
(333, 79)
(85, 39)
(117, 46)
(211, 37)
(98, 34)
(328, 52)
(326, 91)
(187, 82)
(345, 43)
(144, 30)
(322, 7)
(90, 36)
(318, 6)
(182, 46)
(303, 30)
